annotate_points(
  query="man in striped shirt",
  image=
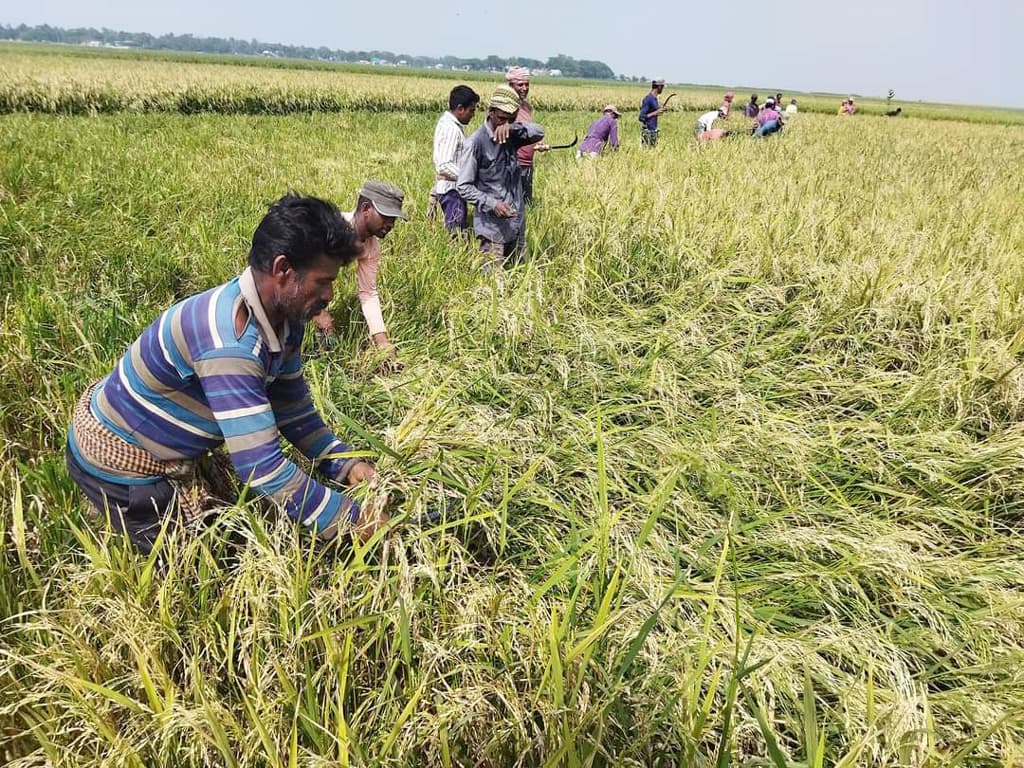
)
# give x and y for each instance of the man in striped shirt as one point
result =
(449, 136)
(223, 368)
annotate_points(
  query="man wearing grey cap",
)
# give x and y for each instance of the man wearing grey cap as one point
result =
(378, 206)
(491, 179)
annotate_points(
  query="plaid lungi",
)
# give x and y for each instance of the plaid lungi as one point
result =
(199, 484)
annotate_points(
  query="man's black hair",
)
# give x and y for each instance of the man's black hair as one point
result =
(302, 229)
(462, 96)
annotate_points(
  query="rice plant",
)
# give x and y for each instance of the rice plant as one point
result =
(735, 456)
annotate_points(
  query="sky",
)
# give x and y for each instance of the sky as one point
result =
(932, 50)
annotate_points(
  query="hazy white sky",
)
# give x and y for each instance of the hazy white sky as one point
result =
(936, 50)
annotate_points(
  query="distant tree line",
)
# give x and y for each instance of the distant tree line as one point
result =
(44, 33)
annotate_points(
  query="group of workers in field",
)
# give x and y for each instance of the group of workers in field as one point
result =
(196, 407)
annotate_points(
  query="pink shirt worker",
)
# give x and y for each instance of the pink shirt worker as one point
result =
(378, 207)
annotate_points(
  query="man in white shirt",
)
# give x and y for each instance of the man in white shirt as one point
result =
(378, 207)
(707, 121)
(449, 135)
(792, 108)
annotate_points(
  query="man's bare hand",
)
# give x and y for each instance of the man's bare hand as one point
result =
(362, 472)
(501, 133)
(504, 210)
(390, 363)
(324, 324)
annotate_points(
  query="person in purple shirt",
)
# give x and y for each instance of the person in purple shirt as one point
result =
(770, 112)
(751, 109)
(604, 130)
(769, 120)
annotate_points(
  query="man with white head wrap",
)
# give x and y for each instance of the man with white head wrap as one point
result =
(519, 79)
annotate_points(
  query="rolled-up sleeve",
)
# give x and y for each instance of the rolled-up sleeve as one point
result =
(367, 267)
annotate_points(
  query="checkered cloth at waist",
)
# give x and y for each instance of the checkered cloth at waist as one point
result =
(201, 484)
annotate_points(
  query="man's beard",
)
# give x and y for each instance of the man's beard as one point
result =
(298, 315)
(307, 315)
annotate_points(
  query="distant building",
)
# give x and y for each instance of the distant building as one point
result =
(554, 73)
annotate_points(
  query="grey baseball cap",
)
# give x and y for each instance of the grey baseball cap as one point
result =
(386, 198)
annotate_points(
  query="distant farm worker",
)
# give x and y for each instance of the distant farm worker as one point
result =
(449, 137)
(769, 127)
(751, 109)
(604, 130)
(768, 112)
(792, 108)
(223, 368)
(714, 134)
(649, 111)
(778, 100)
(378, 206)
(850, 106)
(726, 107)
(768, 121)
(519, 79)
(707, 121)
(490, 177)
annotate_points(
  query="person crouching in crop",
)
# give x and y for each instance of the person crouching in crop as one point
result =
(490, 177)
(707, 121)
(769, 120)
(715, 134)
(603, 131)
(378, 209)
(223, 369)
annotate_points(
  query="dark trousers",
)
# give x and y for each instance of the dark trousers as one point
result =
(136, 511)
(455, 212)
(526, 171)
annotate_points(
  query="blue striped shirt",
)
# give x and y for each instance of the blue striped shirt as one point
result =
(190, 383)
